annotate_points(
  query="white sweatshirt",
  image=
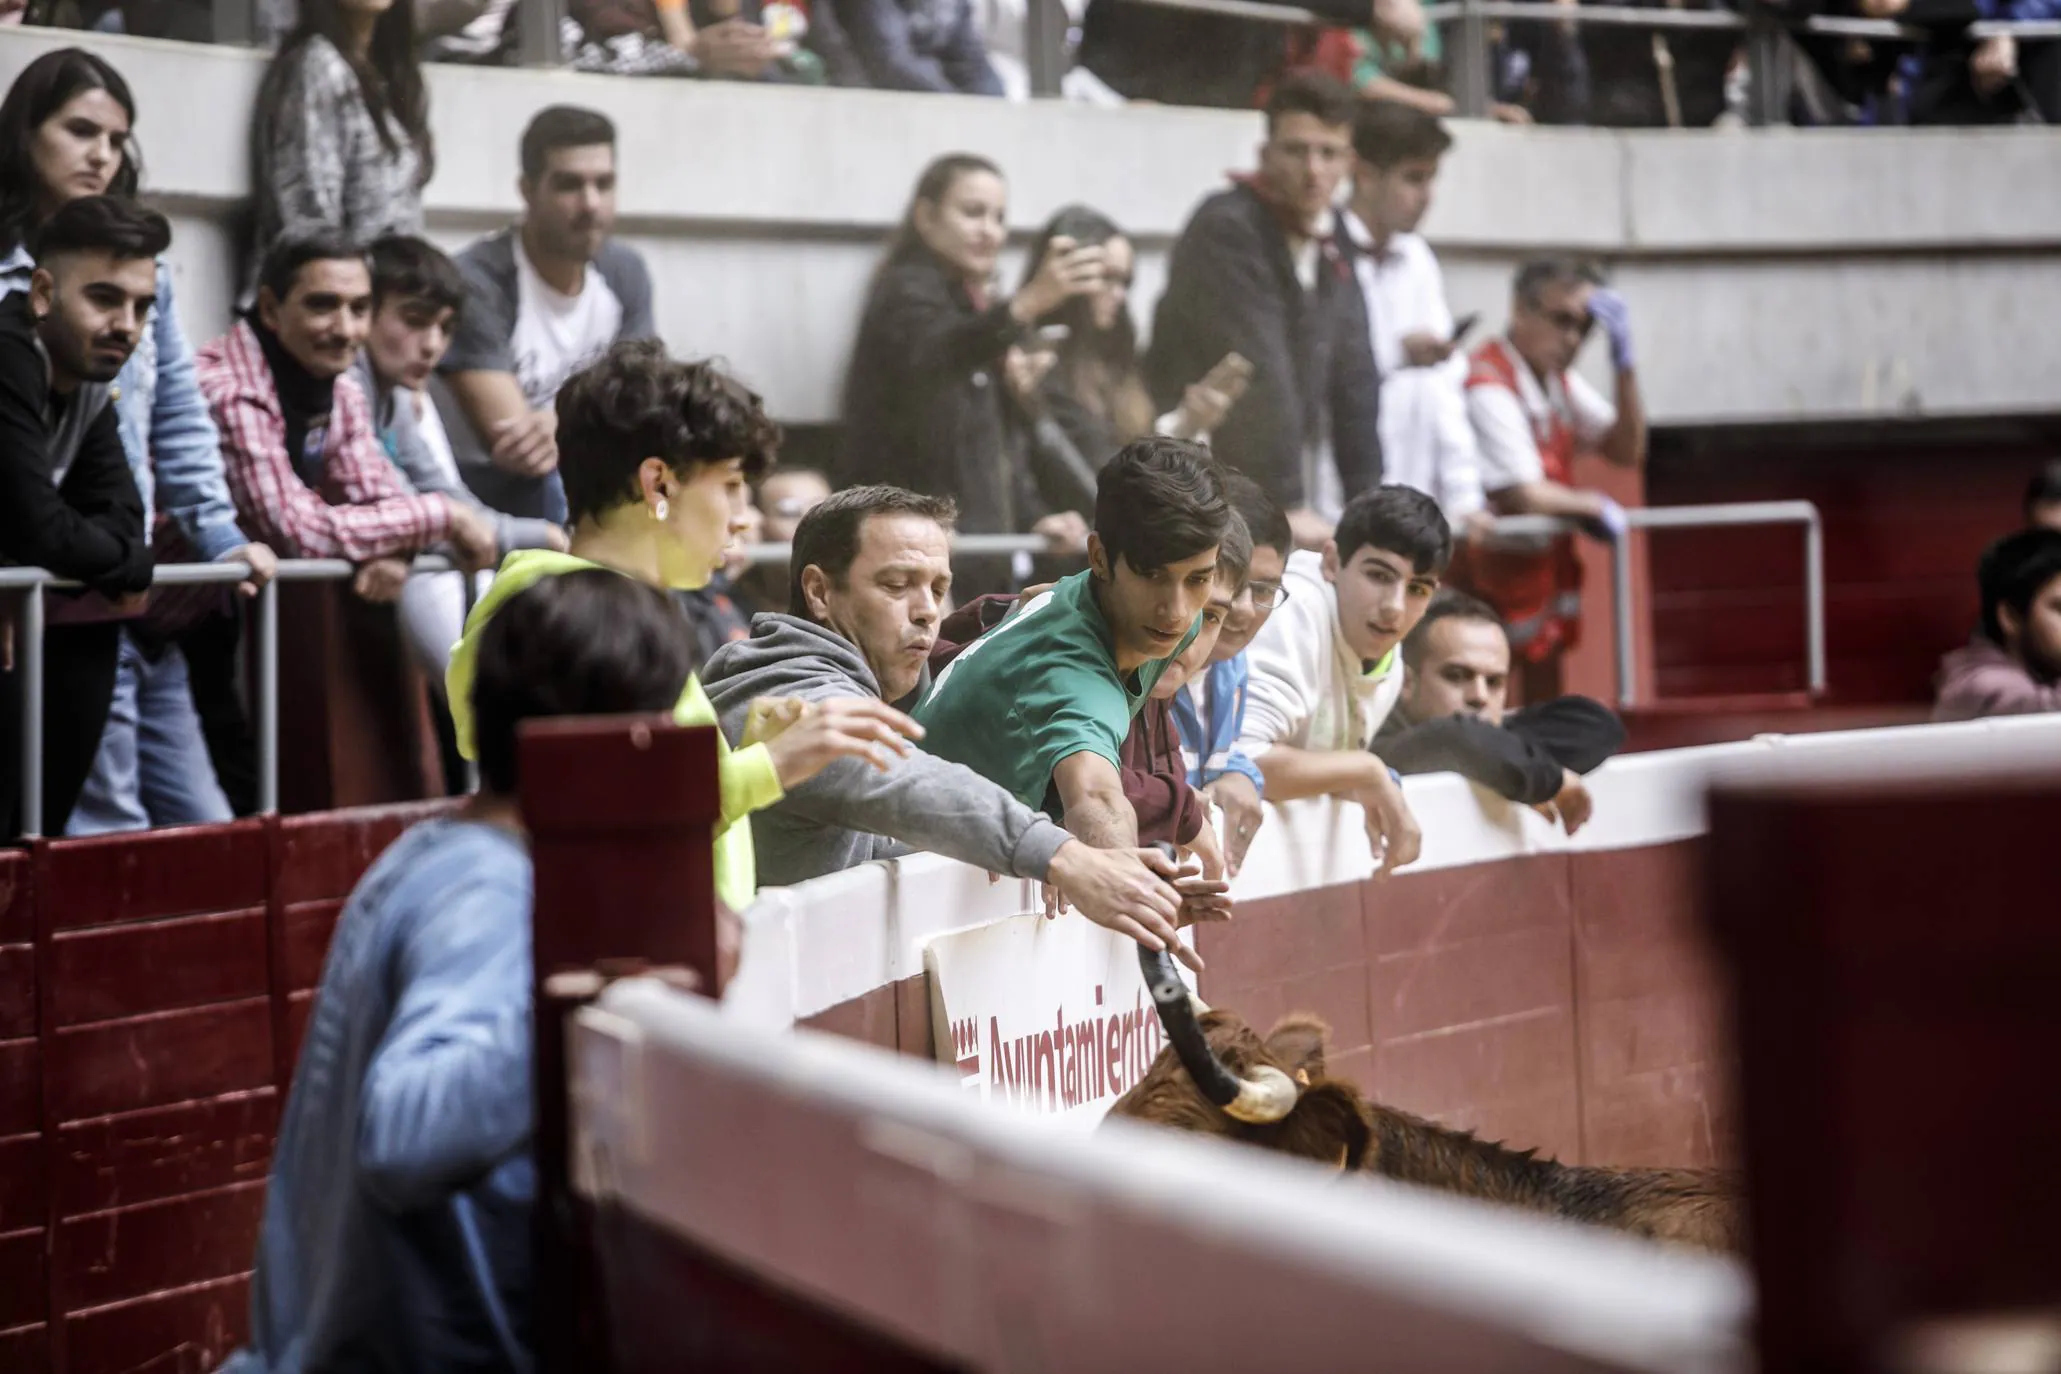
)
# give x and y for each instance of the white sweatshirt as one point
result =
(1306, 687)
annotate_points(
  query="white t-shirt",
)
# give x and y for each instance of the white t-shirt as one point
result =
(556, 335)
(1426, 441)
(1508, 426)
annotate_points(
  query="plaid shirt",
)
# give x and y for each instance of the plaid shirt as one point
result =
(363, 510)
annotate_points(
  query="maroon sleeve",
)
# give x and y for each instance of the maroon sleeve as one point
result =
(1155, 780)
(967, 624)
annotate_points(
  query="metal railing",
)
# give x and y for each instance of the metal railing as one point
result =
(33, 583)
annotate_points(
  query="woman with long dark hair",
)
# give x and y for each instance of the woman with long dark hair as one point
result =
(340, 137)
(939, 344)
(1095, 390)
(66, 131)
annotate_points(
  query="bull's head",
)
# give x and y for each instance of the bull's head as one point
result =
(1217, 1077)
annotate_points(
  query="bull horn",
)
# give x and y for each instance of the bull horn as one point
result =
(1268, 1095)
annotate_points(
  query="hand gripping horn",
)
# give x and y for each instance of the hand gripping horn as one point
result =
(1267, 1096)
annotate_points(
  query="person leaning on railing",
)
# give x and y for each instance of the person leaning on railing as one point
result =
(68, 502)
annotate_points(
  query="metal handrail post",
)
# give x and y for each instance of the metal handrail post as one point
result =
(1621, 616)
(1045, 24)
(268, 699)
(28, 658)
(1814, 601)
(536, 32)
(1471, 77)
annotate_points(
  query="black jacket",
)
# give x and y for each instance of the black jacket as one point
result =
(1231, 286)
(923, 403)
(89, 526)
(1521, 759)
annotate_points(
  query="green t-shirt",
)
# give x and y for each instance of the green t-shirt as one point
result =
(1037, 689)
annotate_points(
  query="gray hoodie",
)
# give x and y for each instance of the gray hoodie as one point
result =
(851, 811)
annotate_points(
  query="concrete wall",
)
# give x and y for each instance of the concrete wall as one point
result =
(1780, 275)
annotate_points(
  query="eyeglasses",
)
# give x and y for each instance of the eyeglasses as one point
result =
(1267, 595)
(1567, 322)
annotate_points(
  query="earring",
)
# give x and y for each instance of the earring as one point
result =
(661, 510)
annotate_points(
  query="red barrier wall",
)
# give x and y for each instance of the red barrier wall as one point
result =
(153, 989)
(1566, 1001)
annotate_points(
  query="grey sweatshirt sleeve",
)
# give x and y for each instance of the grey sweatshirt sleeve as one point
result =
(931, 803)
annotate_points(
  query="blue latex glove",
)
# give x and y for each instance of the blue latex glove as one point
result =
(1609, 523)
(1615, 316)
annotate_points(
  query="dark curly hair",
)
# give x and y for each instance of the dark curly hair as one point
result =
(637, 403)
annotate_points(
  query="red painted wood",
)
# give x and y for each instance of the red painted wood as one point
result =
(136, 877)
(17, 991)
(22, 1280)
(141, 967)
(21, 1090)
(23, 1201)
(306, 928)
(113, 1256)
(1904, 523)
(152, 1060)
(26, 1348)
(1896, 955)
(164, 1152)
(17, 915)
(184, 1331)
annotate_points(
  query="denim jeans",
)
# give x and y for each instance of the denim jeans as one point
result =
(153, 766)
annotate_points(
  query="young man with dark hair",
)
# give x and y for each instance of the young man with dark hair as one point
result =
(303, 459)
(1532, 416)
(405, 1144)
(1426, 441)
(68, 501)
(872, 569)
(2013, 665)
(1209, 710)
(1041, 703)
(1257, 272)
(545, 298)
(1453, 717)
(418, 295)
(1325, 669)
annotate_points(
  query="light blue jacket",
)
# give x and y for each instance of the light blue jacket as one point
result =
(167, 433)
(1211, 750)
(401, 1184)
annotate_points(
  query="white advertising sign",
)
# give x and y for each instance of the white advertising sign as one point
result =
(1050, 1016)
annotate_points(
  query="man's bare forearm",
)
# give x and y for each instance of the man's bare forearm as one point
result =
(1291, 772)
(1103, 821)
(1625, 444)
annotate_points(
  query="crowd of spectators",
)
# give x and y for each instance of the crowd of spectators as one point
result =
(1553, 70)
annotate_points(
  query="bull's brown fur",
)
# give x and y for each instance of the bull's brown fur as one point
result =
(1333, 1123)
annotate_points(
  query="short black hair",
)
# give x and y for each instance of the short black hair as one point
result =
(1396, 519)
(2012, 572)
(1159, 501)
(412, 269)
(1449, 603)
(585, 643)
(285, 259)
(562, 126)
(1234, 554)
(101, 224)
(1386, 132)
(2044, 489)
(637, 403)
(828, 535)
(1311, 93)
(1536, 274)
(1265, 521)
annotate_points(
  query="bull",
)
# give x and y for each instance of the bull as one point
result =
(1217, 1077)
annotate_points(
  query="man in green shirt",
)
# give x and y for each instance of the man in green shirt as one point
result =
(1041, 703)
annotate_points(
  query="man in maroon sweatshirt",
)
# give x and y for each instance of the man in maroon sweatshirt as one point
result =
(2013, 665)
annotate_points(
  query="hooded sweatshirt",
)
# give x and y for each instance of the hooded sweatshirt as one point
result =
(749, 781)
(852, 812)
(1983, 679)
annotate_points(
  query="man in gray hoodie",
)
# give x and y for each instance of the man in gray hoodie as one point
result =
(871, 569)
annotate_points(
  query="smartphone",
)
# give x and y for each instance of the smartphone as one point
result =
(1052, 335)
(1230, 376)
(1462, 327)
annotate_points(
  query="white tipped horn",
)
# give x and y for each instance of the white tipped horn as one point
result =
(1265, 1096)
